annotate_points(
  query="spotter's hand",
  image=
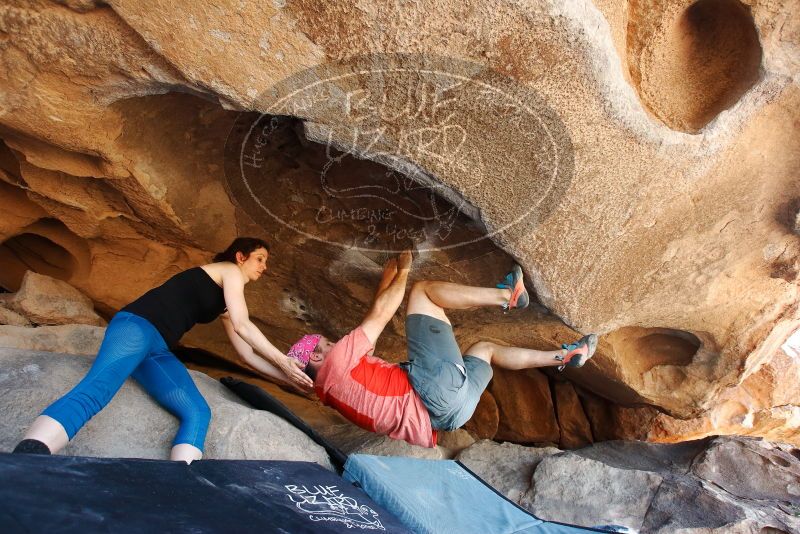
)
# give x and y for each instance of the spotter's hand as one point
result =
(291, 368)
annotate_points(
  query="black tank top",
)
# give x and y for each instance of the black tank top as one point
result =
(174, 307)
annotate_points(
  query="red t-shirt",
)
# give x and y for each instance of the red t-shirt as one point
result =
(372, 393)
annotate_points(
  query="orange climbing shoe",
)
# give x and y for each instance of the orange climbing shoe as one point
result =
(519, 295)
(578, 353)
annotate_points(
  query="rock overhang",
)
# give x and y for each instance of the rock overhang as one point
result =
(657, 231)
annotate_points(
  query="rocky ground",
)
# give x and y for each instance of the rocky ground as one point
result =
(133, 425)
(735, 485)
(726, 484)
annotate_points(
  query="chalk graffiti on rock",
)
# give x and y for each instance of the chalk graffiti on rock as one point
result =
(383, 152)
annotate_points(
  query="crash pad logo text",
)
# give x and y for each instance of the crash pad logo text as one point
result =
(328, 503)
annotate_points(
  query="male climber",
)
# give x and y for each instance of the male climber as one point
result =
(437, 388)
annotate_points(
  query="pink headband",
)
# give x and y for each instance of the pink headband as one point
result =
(301, 351)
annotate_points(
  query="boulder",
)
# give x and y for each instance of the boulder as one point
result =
(77, 339)
(651, 488)
(575, 429)
(751, 469)
(666, 460)
(656, 488)
(572, 489)
(525, 407)
(685, 505)
(797, 223)
(12, 318)
(452, 443)
(46, 301)
(133, 425)
(351, 439)
(386, 446)
(506, 467)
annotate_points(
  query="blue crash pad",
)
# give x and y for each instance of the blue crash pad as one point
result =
(443, 496)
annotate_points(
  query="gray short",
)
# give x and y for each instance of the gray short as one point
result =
(449, 385)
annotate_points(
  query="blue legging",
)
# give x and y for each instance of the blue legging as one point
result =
(133, 347)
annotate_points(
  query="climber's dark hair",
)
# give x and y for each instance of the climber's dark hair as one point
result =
(245, 245)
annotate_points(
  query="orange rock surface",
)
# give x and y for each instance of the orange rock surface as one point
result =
(652, 148)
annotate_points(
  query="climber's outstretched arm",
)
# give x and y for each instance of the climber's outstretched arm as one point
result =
(389, 296)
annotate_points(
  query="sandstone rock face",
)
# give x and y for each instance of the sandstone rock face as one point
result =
(47, 301)
(762, 404)
(652, 488)
(525, 407)
(133, 425)
(484, 422)
(669, 224)
(575, 429)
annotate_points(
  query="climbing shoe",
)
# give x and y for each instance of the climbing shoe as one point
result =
(519, 295)
(578, 353)
(31, 446)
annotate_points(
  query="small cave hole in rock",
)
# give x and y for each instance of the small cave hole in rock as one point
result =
(34, 252)
(650, 347)
(697, 66)
(717, 42)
